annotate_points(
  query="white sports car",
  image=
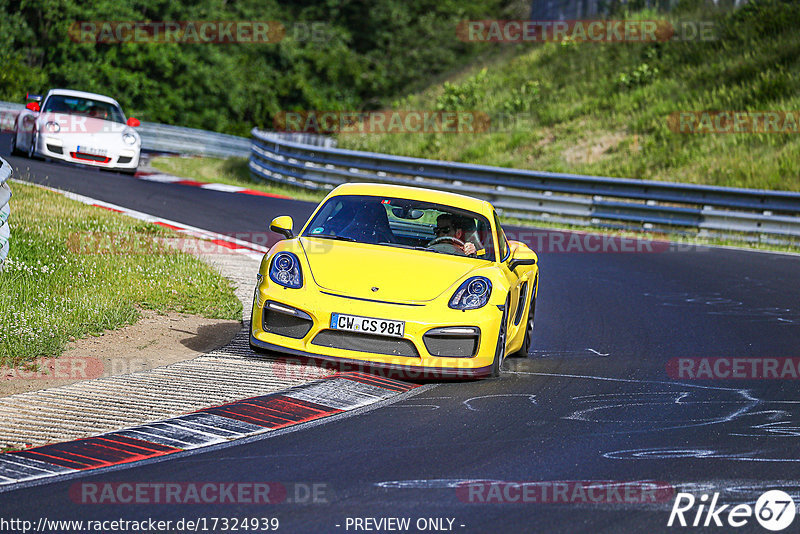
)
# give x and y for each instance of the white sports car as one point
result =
(78, 127)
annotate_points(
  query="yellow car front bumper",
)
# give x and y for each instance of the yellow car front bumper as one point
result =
(305, 315)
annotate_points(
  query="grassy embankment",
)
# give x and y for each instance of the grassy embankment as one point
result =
(603, 109)
(76, 270)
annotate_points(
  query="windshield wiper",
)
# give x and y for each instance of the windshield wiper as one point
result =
(331, 236)
(400, 245)
(436, 251)
(412, 247)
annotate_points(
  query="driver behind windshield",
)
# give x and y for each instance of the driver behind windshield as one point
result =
(451, 236)
(97, 112)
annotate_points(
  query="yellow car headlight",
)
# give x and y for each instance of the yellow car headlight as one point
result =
(472, 294)
(285, 270)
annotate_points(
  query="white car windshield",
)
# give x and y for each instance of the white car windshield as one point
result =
(404, 223)
(72, 105)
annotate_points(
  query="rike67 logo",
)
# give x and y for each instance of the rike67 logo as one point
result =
(774, 510)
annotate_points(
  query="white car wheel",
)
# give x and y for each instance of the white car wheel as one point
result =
(32, 146)
(14, 143)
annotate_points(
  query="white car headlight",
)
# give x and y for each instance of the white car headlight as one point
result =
(52, 127)
(129, 138)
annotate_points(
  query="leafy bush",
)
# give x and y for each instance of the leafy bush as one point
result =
(523, 98)
(641, 75)
(464, 96)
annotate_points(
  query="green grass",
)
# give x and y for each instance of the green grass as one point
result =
(50, 293)
(602, 109)
(230, 171)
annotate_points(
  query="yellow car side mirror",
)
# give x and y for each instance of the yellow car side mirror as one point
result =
(282, 225)
(522, 256)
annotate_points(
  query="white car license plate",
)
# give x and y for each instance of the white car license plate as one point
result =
(367, 325)
(93, 151)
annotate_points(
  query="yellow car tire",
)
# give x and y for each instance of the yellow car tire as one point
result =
(499, 353)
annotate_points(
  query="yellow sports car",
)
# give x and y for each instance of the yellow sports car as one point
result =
(420, 282)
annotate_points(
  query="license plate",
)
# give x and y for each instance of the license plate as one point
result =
(93, 151)
(367, 325)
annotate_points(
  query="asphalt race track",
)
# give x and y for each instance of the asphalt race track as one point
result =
(596, 402)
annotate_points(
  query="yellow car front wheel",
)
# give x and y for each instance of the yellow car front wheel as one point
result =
(528, 339)
(499, 352)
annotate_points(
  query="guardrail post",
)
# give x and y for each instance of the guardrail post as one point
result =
(5, 194)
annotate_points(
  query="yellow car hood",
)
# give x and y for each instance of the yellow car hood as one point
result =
(401, 275)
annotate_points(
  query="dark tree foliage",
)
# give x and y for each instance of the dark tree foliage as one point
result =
(359, 54)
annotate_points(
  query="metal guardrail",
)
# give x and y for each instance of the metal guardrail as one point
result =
(305, 139)
(5, 195)
(164, 138)
(179, 140)
(8, 114)
(541, 196)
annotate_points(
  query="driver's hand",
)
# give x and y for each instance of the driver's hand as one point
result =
(469, 249)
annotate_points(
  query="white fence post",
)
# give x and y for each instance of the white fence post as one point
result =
(5, 211)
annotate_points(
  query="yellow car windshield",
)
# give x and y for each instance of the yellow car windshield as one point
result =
(403, 223)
